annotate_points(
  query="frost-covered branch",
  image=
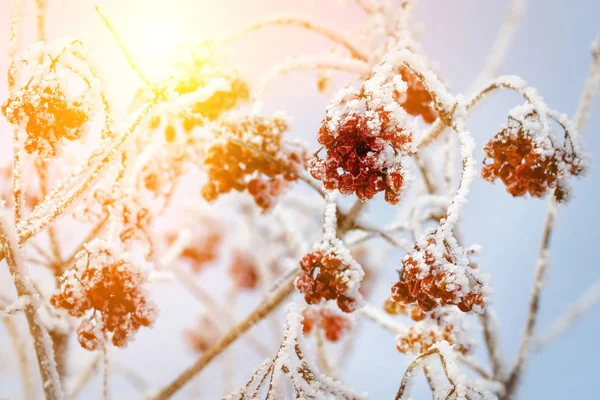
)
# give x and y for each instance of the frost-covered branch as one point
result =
(266, 307)
(304, 22)
(590, 90)
(41, 339)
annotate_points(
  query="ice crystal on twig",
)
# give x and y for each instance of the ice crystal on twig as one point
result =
(305, 379)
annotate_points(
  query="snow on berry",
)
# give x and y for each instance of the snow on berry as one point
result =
(44, 108)
(333, 323)
(367, 137)
(432, 276)
(108, 292)
(249, 154)
(527, 165)
(446, 323)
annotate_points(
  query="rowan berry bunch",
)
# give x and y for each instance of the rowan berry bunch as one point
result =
(249, 154)
(112, 289)
(333, 323)
(365, 141)
(443, 324)
(415, 100)
(44, 107)
(526, 165)
(48, 114)
(330, 274)
(431, 278)
(243, 271)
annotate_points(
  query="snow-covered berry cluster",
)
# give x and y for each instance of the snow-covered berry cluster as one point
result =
(248, 154)
(526, 164)
(431, 278)
(443, 324)
(104, 283)
(366, 140)
(48, 114)
(333, 323)
(44, 107)
(330, 274)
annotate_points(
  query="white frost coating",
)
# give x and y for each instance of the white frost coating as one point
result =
(584, 110)
(305, 378)
(381, 319)
(353, 274)
(330, 218)
(16, 306)
(20, 275)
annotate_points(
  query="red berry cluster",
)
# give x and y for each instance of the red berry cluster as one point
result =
(523, 165)
(112, 289)
(334, 324)
(358, 159)
(248, 155)
(430, 281)
(437, 327)
(324, 277)
(416, 100)
(204, 336)
(47, 115)
(243, 271)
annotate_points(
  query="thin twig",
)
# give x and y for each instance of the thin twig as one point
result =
(307, 23)
(128, 56)
(214, 308)
(41, 339)
(268, 306)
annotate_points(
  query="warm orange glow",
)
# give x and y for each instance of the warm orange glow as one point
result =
(154, 42)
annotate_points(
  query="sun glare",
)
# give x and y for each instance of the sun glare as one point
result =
(154, 43)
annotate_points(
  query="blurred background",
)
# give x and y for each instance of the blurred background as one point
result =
(551, 52)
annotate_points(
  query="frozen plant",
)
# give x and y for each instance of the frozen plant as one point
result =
(193, 184)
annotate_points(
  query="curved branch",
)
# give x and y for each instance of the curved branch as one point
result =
(268, 306)
(304, 22)
(306, 63)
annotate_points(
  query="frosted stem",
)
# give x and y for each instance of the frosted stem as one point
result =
(262, 311)
(19, 344)
(41, 339)
(307, 23)
(591, 88)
